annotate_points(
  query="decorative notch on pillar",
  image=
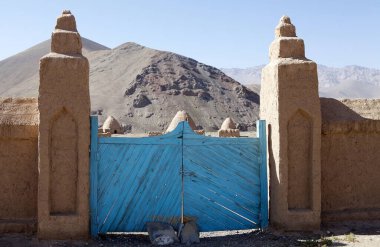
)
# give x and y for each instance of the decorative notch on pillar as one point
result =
(63, 159)
(300, 144)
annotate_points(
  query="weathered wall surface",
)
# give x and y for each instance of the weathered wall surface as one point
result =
(350, 159)
(18, 164)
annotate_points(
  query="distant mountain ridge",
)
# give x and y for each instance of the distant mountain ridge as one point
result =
(348, 82)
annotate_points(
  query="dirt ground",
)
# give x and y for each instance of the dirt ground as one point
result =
(335, 236)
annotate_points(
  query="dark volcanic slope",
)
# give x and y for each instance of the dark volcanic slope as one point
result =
(144, 88)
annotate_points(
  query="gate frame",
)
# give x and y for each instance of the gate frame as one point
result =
(261, 135)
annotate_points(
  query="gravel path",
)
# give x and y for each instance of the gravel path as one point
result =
(221, 239)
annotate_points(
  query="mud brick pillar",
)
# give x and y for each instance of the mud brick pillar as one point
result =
(289, 102)
(64, 136)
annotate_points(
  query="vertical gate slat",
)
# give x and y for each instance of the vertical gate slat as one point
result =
(94, 175)
(261, 134)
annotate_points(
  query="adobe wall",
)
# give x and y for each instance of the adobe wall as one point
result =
(350, 159)
(18, 164)
(322, 153)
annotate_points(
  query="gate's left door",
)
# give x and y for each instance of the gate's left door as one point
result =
(134, 181)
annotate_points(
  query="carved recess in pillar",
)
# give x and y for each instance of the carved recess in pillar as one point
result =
(63, 158)
(300, 161)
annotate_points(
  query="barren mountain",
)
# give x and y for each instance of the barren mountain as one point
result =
(146, 87)
(19, 73)
(143, 88)
(347, 82)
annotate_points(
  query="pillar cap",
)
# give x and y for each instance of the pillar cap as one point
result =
(66, 21)
(285, 28)
(65, 38)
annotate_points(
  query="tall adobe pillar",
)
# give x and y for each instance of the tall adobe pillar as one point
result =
(64, 136)
(289, 102)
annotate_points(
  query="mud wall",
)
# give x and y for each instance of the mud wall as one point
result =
(18, 164)
(350, 159)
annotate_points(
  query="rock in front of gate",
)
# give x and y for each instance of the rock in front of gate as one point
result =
(161, 233)
(190, 233)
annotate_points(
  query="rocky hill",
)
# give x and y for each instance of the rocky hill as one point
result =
(347, 82)
(142, 87)
(19, 73)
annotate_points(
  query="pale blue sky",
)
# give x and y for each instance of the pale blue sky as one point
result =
(221, 33)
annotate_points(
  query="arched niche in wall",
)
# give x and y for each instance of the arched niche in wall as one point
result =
(299, 129)
(63, 155)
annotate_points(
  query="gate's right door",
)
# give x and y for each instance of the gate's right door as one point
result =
(222, 189)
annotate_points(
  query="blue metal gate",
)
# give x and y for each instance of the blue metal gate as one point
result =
(219, 182)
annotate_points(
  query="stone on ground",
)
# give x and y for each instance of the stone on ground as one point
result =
(161, 233)
(190, 233)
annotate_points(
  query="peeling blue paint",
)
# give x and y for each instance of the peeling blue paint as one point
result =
(220, 182)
